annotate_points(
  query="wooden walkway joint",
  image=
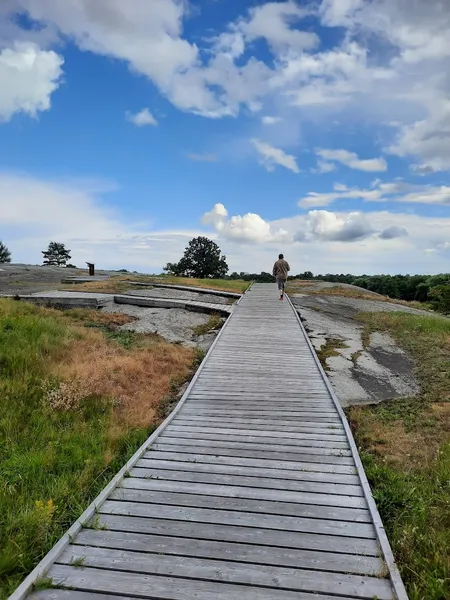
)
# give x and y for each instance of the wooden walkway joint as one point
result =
(252, 489)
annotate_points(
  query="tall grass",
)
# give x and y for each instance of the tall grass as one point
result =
(54, 462)
(406, 453)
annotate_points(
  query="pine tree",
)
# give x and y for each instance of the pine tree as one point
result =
(56, 254)
(5, 254)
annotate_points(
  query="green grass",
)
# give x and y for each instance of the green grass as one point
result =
(329, 349)
(405, 448)
(52, 463)
(214, 322)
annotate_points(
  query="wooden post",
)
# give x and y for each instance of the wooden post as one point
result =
(91, 269)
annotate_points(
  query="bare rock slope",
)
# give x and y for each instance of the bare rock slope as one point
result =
(361, 372)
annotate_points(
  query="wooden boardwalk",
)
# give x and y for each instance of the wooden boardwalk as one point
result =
(251, 490)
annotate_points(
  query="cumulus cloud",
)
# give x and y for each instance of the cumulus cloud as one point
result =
(271, 156)
(328, 226)
(29, 77)
(275, 22)
(247, 228)
(351, 160)
(142, 118)
(393, 232)
(428, 138)
(390, 65)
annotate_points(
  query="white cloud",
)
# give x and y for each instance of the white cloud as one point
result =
(351, 160)
(271, 156)
(390, 66)
(268, 120)
(148, 36)
(272, 21)
(142, 118)
(28, 78)
(34, 211)
(329, 226)
(339, 12)
(247, 228)
(324, 199)
(428, 138)
(397, 191)
(324, 167)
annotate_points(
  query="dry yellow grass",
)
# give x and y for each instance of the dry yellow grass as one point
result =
(305, 287)
(399, 445)
(136, 380)
(119, 284)
(115, 285)
(98, 318)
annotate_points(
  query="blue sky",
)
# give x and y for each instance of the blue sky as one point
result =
(319, 129)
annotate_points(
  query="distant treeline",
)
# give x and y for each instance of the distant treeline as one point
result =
(400, 287)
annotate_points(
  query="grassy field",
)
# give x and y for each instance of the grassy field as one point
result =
(405, 447)
(77, 397)
(307, 287)
(119, 284)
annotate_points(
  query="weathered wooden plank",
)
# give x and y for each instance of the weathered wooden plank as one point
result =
(266, 441)
(232, 419)
(256, 462)
(274, 404)
(200, 476)
(234, 491)
(222, 550)
(165, 588)
(226, 532)
(267, 453)
(209, 501)
(281, 433)
(210, 465)
(274, 425)
(239, 443)
(60, 594)
(261, 413)
(237, 517)
(222, 571)
(309, 471)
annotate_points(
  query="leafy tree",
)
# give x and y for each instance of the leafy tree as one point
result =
(56, 254)
(5, 254)
(202, 259)
(422, 292)
(440, 298)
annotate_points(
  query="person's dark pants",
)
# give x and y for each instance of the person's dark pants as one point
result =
(281, 284)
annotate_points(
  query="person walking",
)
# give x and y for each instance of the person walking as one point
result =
(280, 271)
